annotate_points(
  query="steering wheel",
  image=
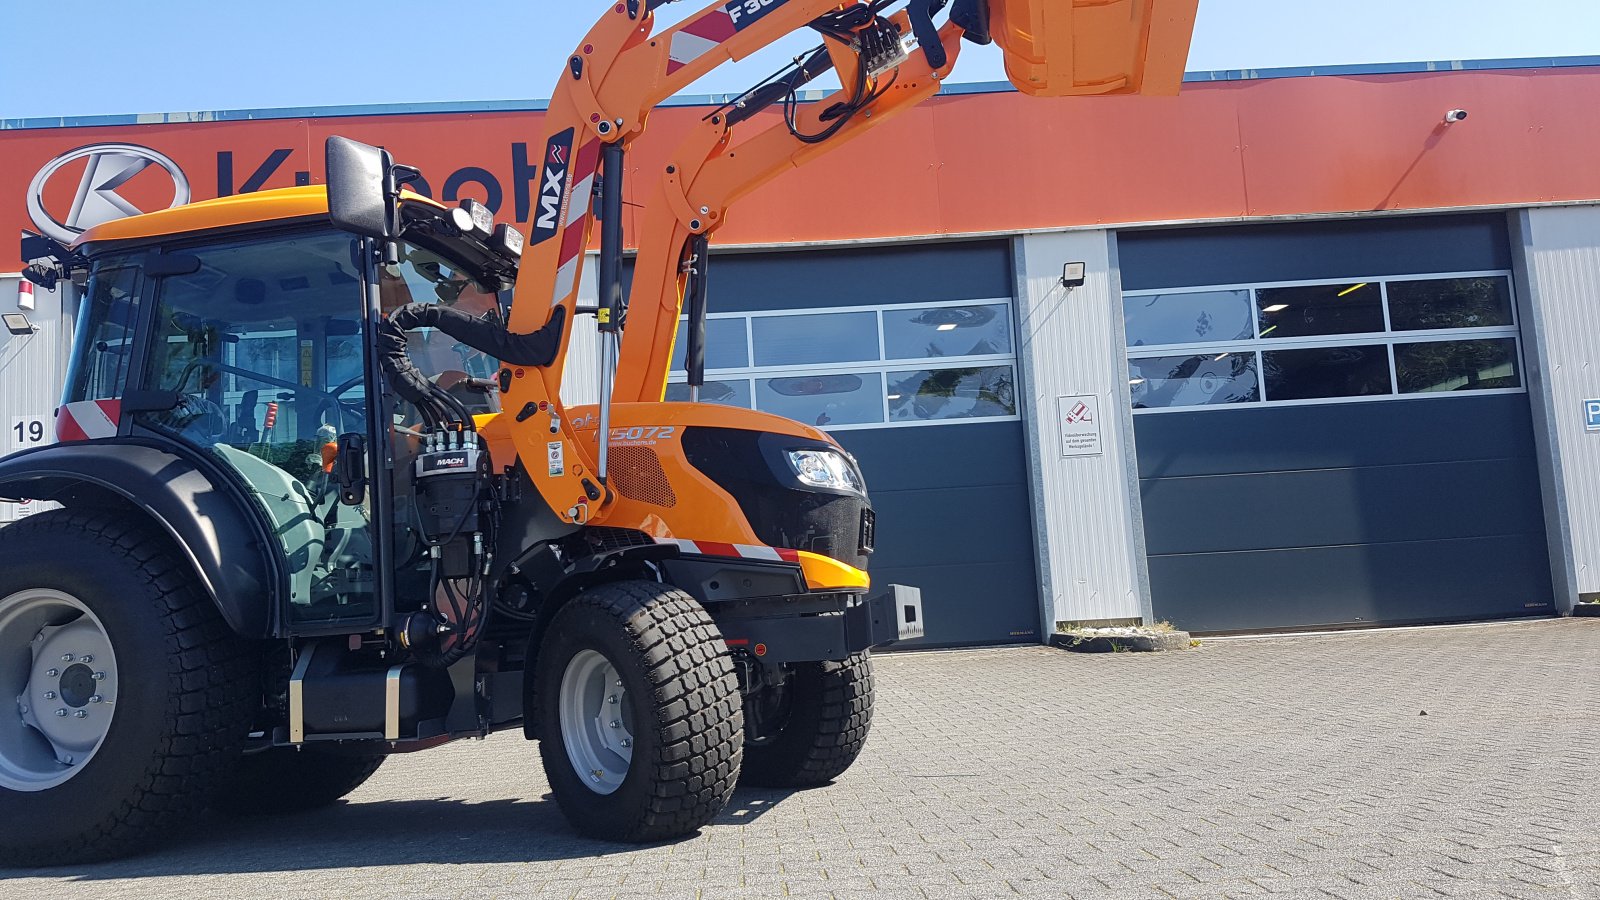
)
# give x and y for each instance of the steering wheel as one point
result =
(329, 397)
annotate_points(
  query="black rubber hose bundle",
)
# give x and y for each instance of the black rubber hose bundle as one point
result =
(482, 334)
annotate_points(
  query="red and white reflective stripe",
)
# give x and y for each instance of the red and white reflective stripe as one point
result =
(698, 38)
(87, 420)
(578, 209)
(746, 551)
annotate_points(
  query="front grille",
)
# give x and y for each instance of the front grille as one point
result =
(779, 512)
(636, 473)
(602, 539)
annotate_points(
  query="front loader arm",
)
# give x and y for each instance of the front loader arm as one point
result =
(611, 82)
(621, 71)
(703, 179)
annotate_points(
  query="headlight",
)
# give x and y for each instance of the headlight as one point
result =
(827, 469)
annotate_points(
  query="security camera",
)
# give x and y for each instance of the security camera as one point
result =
(1454, 116)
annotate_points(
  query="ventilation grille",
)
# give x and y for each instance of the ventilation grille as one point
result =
(602, 539)
(636, 474)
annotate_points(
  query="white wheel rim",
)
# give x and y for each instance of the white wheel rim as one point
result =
(58, 688)
(596, 721)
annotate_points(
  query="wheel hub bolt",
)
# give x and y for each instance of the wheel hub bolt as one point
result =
(66, 657)
(67, 760)
(51, 673)
(615, 724)
(627, 743)
(86, 659)
(97, 699)
(99, 676)
(61, 714)
(49, 695)
(81, 714)
(612, 699)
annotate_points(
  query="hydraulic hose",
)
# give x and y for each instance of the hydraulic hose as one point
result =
(484, 335)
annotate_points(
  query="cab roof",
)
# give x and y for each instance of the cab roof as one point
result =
(258, 207)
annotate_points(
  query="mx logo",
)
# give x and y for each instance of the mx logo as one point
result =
(107, 168)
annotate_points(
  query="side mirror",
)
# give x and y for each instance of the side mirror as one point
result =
(358, 188)
(350, 468)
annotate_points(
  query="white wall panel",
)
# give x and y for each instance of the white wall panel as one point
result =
(1558, 272)
(1086, 508)
(580, 381)
(31, 371)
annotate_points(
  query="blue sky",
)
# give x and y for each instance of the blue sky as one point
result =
(91, 57)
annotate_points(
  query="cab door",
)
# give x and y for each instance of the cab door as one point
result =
(263, 345)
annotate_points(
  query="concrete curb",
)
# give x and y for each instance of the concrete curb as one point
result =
(1123, 643)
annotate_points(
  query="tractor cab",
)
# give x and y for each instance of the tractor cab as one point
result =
(244, 341)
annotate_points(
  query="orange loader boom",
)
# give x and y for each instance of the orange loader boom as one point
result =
(1051, 48)
(621, 70)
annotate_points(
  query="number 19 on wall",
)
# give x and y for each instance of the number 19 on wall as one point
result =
(27, 431)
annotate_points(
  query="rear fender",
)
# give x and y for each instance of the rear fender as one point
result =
(217, 531)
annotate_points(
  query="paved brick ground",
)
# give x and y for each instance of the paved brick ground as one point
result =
(1298, 767)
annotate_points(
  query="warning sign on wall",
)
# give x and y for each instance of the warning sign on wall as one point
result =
(1079, 421)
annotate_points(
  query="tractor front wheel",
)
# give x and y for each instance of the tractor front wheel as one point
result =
(639, 713)
(817, 725)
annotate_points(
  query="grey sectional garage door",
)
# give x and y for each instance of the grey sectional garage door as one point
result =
(907, 355)
(1332, 425)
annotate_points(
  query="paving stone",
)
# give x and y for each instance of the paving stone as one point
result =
(1284, 767)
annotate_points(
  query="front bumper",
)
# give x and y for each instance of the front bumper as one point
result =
(815, 628)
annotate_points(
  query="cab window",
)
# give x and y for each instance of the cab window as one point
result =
(103, 350)
(425, 277)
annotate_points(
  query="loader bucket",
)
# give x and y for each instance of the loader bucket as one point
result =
(1057, 48)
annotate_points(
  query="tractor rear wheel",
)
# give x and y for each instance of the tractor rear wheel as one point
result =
(123, 695)
(820, 719)
(639, 713)
(290, 780)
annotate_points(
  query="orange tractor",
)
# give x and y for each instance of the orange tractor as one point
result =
(322, 501)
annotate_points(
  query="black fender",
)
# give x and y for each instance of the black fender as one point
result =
(214, 526)
(555, 574)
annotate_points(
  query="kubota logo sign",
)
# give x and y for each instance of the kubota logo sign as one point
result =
(107, 168)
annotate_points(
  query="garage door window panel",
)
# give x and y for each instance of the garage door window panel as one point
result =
(1327, 372)
(802, 340)
(1434, 366)
(727, 346)
(824, 399)
(1188, 317)
(972, 393)
(946, 331)
(1429, 304)
(1320, 309)
(1194, 380)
